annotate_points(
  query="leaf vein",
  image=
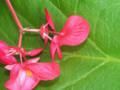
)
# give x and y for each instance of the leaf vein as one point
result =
(83, 76)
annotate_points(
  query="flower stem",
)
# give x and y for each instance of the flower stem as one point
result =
(18, 24)
(14, 14)
(31, 30)
(17, 21)
(20, 39)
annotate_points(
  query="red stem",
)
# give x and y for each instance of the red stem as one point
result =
(31, 30)
(20, 39)
(14, 14)
(18, 24)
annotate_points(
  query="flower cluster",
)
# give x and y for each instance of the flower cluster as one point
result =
(26, 74)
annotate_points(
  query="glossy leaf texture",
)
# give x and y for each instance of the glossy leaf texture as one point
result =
(94, 65)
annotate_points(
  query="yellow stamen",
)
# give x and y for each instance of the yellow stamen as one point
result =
(29, 73)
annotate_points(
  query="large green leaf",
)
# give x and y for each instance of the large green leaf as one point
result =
(94, 65)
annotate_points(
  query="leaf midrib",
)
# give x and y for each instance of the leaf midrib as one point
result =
(83, 76)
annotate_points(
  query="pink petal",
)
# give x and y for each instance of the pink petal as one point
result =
(21, 77)
(10, 67)
(3, 45)
(30, 83)
(33, 60)
(12, 84)
(59, 52)
(75, 31)
(54, 46)
(56, 68)
(49, 19)
(7, 59)
(18, 82)
(4, 57)
(15, 71)
(53, 49)
(35, 52)
(27, 82)
(45, 71)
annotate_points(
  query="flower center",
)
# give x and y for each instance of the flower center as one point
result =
(29, 73)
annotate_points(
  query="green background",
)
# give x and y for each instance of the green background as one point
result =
(94, 65)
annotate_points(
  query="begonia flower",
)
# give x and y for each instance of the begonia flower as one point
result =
(74, 32)
(27, 75)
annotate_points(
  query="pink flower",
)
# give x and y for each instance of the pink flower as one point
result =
(44, 29)
(74, 32)
(5, 56)
(27, 75)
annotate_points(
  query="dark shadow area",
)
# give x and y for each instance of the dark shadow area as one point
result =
(5, 71)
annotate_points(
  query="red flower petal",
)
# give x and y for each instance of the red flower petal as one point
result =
(45, 71)
(33, 60)
(35, 52)
(49, 19)
(74, 32)
(54, 47)
(4, 57)
(10, 67)
(3, 46)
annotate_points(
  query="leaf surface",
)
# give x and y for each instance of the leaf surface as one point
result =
(94, 65)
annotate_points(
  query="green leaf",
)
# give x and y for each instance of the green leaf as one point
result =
(94, 65)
